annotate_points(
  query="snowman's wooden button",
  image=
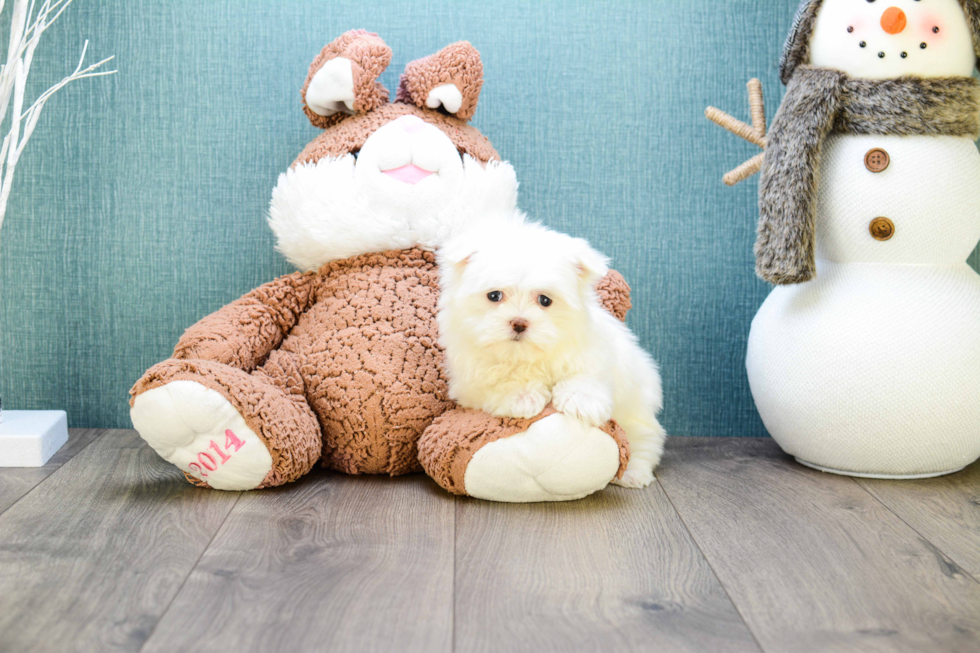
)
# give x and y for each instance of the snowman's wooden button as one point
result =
(882, 229)
(877, 160)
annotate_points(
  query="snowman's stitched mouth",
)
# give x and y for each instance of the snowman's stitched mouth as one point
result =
(410, 174)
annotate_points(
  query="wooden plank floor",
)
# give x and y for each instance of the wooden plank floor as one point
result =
(734, 548)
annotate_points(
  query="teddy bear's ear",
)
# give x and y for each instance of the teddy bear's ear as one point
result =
(451, 79)
(343, 78)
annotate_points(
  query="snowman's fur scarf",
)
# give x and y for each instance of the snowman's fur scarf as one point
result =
(784, 248)
(910, 106)
(819, 101)
(796, 52)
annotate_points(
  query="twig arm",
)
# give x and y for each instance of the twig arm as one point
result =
(735, 126)
(754, 133)
(744, 171)
(757, 107)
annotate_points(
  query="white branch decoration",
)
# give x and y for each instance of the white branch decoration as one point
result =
(26, 28)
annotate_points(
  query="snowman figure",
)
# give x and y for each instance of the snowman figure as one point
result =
(865, 358)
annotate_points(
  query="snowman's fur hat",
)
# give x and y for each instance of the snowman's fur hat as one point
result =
(796, 52)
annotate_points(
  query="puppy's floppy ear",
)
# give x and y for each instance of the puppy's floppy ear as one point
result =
(461, 264)
(343, 78)
(454, 256)
(590, 265)
(451, 78)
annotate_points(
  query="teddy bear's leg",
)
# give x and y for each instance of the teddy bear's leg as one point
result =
(552, 457)
(225, 428)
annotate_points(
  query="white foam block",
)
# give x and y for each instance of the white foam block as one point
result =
(28, 438)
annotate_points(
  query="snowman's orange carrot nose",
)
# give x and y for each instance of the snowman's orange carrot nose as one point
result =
(894, 20)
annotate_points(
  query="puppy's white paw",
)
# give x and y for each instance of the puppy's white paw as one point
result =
(586, 401)
(524, 404)
(635, 479)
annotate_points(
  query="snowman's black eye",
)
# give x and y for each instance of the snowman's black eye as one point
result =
(544, 300)
(905, 55)
(923, 46)
(881, 55)
(850, 30)
(495, 296)
(863, 44)
(935, 30)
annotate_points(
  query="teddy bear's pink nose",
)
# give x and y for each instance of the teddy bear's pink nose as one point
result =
(411, 124)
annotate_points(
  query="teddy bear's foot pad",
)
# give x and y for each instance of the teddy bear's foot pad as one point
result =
(557, 458)
(199, 431)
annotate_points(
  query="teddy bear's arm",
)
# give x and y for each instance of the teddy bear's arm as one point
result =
(243, 333)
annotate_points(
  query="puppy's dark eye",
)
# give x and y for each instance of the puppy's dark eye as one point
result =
(495, 296)
(544, 300)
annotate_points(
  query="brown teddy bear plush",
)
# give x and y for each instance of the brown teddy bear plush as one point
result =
(340, 363)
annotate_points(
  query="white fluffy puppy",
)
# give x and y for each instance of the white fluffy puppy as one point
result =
(522, 326)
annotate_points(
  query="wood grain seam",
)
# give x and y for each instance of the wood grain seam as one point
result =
(711, 566)
(912, 528)
(197, 562)
(60, 467)
(455, 556)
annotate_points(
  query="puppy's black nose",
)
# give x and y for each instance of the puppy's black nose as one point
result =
(519, 325)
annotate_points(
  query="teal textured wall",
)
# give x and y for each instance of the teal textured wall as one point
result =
(140, 202)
